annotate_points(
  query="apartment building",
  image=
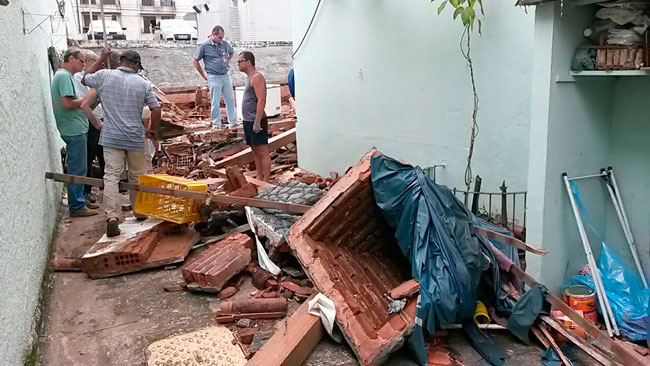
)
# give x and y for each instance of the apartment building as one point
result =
(138, 18)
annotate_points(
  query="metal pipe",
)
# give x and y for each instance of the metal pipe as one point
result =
(587, 176)
(602, 296)
(615, 195)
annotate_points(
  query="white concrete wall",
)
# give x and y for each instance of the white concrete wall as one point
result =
(29, 146)
(268, 20)
(391, 75)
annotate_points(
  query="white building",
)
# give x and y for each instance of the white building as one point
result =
(251, 21)
(139, 17)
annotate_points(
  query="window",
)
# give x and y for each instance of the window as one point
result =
(147, 3)
(166, 3)
(149, 23)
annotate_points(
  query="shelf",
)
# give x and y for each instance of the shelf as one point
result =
(609, 73)
(573, 76)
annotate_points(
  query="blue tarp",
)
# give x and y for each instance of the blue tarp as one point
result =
(435, 232)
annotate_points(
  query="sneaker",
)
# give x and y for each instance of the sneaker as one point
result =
(113, 228)
(92, 205)
(85, 212)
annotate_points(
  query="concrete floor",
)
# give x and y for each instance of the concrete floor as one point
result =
(111, 321)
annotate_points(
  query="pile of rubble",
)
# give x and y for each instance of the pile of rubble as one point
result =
(303, 256)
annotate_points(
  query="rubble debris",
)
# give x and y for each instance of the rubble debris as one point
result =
(262, 279)
(292, 342)
(258, 341)
(246, 335)
(252, 309)
(246, 156)
(220, 262)
(155, 244)
(210, 346)
(623, 353)
(66, 264)
(243, 323)
(227, 292)
(405, 289)
(347, 250)
(175, 288)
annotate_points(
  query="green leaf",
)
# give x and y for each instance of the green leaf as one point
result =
(465, 17)
(454, 3)
(457, 12)
(470, 12)
(480, 3)
(471, 3)
(442, 7)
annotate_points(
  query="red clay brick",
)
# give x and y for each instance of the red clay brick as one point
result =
(346, 248)
(220, 262)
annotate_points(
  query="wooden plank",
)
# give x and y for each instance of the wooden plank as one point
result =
(199, 196)
(538, 334)
(578, 341)
(625, 354)
(275, 125)
(508, 240)
(555, 346)
(246, 156)
(260, 183)
(293, 342)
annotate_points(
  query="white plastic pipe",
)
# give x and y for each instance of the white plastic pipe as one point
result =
(595, 274)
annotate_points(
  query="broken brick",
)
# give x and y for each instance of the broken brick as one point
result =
(220, 262)
(227, 292)
(348, 250)
(246, 335)
(405, 289)
(298, 290)
(161, 245)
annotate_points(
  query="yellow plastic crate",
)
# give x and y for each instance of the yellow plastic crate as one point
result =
(178, 210)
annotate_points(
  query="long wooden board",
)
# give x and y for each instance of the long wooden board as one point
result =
(200, 196)
(293, 342)
(509, 240)
(246, 156)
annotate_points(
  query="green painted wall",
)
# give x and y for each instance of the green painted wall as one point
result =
(390, 74)
(570, 132)
(629, 155)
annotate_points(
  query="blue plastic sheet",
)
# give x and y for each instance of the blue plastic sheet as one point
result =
(629, 300)
(435, 231)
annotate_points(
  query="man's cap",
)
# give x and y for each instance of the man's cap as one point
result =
(133, 57)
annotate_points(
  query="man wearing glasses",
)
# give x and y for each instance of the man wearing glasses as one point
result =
(216, 54)
(256, 126)
(72, 113)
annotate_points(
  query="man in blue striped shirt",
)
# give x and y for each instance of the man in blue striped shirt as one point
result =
(123, 94)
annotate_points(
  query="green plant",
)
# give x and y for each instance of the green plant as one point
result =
(465, 9)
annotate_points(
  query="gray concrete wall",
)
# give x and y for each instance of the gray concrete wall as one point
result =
(29, 146)
(171, 64)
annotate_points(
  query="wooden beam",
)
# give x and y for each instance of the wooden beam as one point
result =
(293, 342)
(246, 156)
(508, 240)
(275, 125)
(555, 346)
(578, 341)
(199, 196)
(626, 355)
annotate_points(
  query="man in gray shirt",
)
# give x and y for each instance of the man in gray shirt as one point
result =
(216, 54)
(123, 94)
